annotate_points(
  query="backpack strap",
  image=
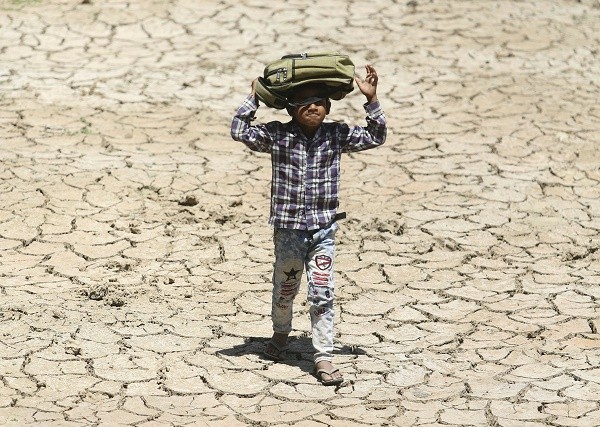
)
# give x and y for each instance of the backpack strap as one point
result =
(268, 96)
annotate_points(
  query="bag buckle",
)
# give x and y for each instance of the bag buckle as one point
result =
(280, 72)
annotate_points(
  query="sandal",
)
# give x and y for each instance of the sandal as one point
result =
(331, 380)
(278, 355)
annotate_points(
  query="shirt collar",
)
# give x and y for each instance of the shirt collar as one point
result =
(297, 132)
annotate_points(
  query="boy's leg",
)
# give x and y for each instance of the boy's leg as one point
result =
(290, 250)
(319, 270)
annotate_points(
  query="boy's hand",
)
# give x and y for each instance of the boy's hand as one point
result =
(254, 86)
(368, 86)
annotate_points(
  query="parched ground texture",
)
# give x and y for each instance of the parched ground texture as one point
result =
(135, 256)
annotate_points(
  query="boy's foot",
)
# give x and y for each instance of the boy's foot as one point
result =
(327, 374)
(276, 349)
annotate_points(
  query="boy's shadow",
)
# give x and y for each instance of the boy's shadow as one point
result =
(299, 354)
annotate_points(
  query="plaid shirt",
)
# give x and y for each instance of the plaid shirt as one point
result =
(306, 172)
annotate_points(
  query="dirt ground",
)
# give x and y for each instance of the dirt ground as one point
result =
(135, 254)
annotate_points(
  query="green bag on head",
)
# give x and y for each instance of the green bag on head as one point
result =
(335, 71)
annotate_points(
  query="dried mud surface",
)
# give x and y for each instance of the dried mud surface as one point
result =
(135, 257)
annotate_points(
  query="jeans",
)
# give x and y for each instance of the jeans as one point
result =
(296, 250)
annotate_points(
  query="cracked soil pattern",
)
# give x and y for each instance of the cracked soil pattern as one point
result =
(135, 255)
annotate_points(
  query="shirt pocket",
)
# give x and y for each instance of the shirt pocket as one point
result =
(322, 155)
(325, 164)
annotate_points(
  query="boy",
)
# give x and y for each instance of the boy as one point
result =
(305, 155)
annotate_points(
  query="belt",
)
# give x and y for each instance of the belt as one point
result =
(338, 216)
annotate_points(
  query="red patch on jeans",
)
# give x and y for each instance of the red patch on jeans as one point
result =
(321, 311)
(288, 289)
(321, 279)
(323, 262)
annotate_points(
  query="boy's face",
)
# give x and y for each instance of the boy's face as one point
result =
(310, 116)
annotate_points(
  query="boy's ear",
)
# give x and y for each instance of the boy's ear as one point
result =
(328, 106)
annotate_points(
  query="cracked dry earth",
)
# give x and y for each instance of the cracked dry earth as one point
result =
(135, 256)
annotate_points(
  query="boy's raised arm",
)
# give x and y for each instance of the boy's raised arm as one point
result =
(254, 137)
(361, 138)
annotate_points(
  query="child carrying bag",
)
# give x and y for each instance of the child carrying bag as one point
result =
(282, 76)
